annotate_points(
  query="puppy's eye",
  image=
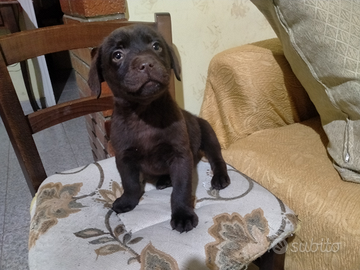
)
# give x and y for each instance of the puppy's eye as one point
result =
(156, 46)
(117, 56)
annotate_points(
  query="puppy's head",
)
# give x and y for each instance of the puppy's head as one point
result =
(135, 62)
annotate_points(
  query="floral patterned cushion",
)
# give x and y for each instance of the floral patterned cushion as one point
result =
(73, 227)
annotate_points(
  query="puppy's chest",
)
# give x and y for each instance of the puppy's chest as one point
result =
(152, 148)
(145, 141)
(148, 140)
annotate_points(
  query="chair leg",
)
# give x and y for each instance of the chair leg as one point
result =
(271, 261)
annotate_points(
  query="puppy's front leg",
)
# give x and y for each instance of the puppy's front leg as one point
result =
(183, 217)
(130, 180)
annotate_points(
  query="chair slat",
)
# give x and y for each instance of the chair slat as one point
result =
(29, 44)
(51, 116)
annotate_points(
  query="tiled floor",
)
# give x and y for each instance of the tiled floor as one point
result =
(69, 149)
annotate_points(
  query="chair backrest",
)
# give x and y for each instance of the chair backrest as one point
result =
(25, 45)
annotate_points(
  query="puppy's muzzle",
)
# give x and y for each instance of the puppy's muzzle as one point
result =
(147, 68)
(144, 64)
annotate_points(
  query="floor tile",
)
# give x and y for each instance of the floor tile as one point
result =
(77, 135)
(4, 160)
(59, 80)
(51, 138)
(18, 197)
(58, 159)
(16, 218)
(56, 148)
(70, 90)
(15, 251)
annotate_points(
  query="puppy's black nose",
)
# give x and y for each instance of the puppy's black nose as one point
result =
(146, 65)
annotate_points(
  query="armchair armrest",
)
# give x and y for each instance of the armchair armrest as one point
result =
(251, 88)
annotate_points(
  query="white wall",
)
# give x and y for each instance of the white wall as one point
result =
(201, 29)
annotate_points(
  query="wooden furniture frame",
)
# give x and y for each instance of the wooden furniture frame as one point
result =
(25, 45)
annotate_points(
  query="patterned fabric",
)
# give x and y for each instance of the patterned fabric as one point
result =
(252, 112)
(321, 41)
(289, 159)
(73, 227)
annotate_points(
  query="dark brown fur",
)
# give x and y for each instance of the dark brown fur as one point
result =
(149, 132)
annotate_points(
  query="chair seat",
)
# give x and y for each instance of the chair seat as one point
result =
(73, 226)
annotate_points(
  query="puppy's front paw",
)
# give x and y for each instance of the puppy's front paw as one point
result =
(184, 220)
(123, 204)
(220, 181)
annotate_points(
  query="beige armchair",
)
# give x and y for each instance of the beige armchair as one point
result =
(270, 130)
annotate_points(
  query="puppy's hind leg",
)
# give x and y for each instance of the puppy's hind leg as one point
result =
(164, 181)
(211, 147)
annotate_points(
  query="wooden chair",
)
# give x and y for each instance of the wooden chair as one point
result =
(46, 213)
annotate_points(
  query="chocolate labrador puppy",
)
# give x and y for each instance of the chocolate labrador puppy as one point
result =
(149, 132)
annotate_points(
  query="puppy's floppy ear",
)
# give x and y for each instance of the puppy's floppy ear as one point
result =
(174, 62)
(95, 74)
